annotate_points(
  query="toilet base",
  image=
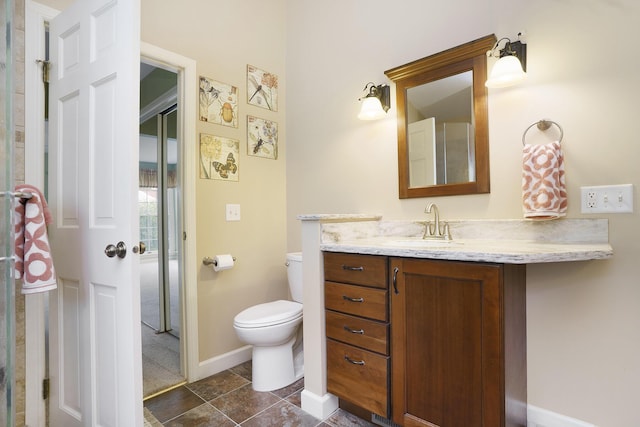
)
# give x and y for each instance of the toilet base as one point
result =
(277, 367)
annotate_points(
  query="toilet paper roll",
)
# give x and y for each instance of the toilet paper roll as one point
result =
(222, 262)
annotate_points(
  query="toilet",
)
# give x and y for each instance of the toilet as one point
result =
(274, 330)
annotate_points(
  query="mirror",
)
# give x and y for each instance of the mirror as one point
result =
(443, 132)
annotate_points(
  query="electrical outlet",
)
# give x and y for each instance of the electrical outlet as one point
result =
(607, 199)
(591, 199)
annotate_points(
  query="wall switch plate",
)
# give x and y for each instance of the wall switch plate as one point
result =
(607, 199)
(233, 212)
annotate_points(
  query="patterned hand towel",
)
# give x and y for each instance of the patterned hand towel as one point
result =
(544, 195)
(33, 256)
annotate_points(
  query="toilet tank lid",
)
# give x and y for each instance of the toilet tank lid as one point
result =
(296, 256)
(270, 313)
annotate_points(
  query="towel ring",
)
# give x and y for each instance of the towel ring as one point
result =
(543, 125)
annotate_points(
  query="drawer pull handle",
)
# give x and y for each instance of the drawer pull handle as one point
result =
(354, 331)
(349, 268)
(355, 362)
(346, 298)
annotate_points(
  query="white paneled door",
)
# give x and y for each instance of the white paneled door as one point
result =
(95, 355)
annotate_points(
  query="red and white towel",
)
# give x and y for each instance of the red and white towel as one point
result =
(34, 264)
(544, 194)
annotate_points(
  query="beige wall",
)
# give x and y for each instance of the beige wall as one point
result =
(583, 318)
(223, 37)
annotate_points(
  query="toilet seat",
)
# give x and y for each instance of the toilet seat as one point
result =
(268, 314)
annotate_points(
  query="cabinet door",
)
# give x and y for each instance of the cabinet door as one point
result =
(447, 365)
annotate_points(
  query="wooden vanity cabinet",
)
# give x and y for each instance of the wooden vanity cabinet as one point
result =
(357, 328)
(458, 334)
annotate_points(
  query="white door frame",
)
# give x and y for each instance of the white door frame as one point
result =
(35, 17)
(187, 90)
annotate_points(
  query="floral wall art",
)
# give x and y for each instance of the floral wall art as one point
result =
(262, 88)
(219, 157)
(262, 138)
(218, 102)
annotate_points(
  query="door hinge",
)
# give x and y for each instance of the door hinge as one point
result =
(45, 389)
(45, 69)
(184, 235)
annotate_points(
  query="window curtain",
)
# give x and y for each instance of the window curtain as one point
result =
(148, 177)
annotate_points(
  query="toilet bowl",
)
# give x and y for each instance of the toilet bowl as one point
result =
(273, 329)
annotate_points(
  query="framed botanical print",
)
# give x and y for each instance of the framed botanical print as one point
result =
(219, 157)
(218, 102)
(262, 88)
(262, 138)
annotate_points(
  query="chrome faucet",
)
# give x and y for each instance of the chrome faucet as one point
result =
(435, 230)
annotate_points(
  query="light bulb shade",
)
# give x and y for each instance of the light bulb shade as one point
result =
(371, 109)
(506, 71)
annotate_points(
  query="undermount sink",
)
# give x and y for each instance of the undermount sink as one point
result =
(422, 243)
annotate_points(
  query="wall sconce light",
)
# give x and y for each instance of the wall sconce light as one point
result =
(511, 65)
(376, 103)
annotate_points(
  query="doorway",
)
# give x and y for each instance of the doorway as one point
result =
(159, 199)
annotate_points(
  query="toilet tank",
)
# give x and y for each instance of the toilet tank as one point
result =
(294, 275)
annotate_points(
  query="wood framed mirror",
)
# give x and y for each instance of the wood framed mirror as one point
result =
(443, 130)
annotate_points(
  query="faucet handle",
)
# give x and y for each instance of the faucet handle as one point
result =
(446, 233)
(428, 230)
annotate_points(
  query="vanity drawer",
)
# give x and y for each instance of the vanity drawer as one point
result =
(368, 270)
(368, 334)
(356, 300)
(358, 376)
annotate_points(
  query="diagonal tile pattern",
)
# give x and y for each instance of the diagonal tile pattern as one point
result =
(227, 400)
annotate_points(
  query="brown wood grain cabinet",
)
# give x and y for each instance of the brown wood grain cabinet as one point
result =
(427, 342)
(458, 334)
(357, 324)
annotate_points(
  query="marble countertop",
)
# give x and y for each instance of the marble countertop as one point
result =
(500, 241)
(479, 250)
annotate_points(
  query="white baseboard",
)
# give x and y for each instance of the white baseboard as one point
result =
(538, 417)
(223, 362)
(318, 406)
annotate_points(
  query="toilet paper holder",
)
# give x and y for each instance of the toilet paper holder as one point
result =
(210, 261)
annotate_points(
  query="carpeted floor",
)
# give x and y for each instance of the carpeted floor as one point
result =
(160, 361)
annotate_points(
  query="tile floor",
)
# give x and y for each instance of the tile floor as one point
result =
(227, 400)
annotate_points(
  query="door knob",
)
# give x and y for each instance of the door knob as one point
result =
(120, 250)
(142, 248)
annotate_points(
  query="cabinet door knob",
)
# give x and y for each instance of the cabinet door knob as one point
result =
(355, 362)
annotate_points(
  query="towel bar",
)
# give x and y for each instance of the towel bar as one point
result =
(543, 125)
(17, 194)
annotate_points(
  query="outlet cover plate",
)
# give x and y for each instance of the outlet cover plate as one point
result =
(607, 199)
